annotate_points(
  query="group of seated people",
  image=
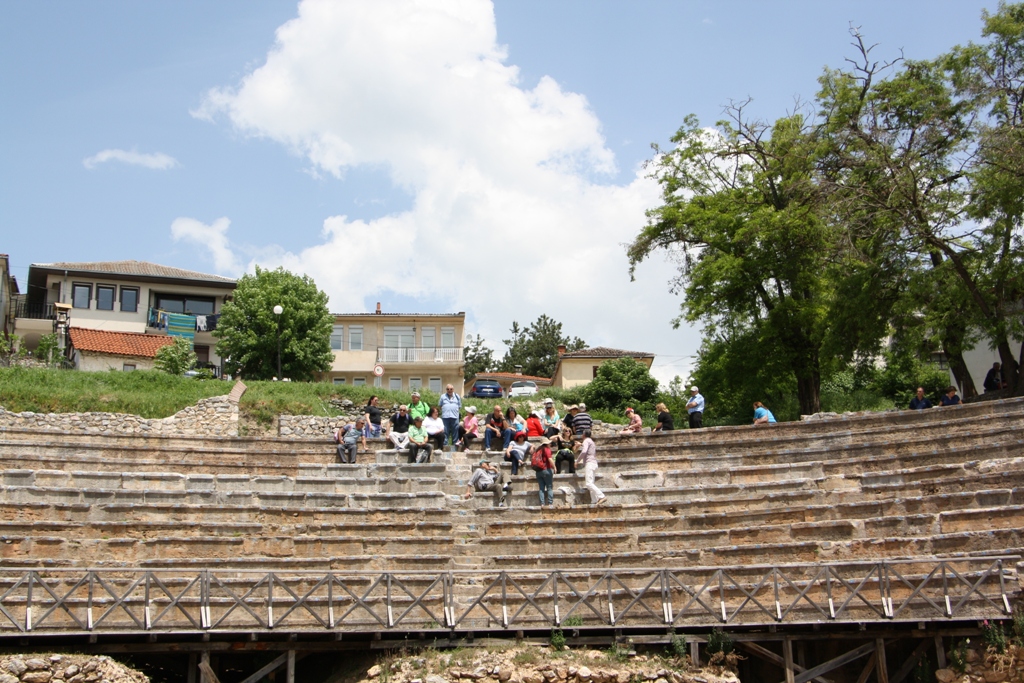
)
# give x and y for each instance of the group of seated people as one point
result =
(949, 398)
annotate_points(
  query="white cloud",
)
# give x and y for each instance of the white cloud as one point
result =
(213, 239)
(512, 214)
(157, 161)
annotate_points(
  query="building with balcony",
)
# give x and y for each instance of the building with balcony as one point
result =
(577, 368)
(415, 350)
(124, 296)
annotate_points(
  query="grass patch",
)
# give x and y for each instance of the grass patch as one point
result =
(154, 394)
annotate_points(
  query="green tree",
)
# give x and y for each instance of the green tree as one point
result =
(989, 79)
(48, 348)
(177, 358)
(742, 212)
(619, 383)
(478, 357)
(535, 347)
(248, 329)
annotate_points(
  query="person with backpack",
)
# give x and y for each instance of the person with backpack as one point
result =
(348, 438)
(544, 466)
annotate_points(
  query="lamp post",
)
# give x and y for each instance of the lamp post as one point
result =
(278, 310)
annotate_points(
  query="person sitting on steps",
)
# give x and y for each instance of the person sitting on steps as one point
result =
(489, 478)
(497, 426)
(398, 428)
(419, 442)
(348, 438)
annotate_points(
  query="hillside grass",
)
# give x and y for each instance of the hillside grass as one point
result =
(154, 394)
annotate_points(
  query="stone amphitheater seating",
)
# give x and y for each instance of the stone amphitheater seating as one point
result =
(942, 483)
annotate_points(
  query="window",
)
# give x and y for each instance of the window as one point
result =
(202, 353)
(395, 383)
(105, 297)
(181, 303)
(359, 381)
(429, 336)
(129, 300)
(415, 383)
(128, 367)
(81, 295)
(355, 339)
(337, 337)
(595, 372)
(435, 385)
(448, 337)
(399, 338)
(339, 380)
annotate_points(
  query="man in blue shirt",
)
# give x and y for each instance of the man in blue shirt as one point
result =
(450, 405)
(695, 408)
(919, 402)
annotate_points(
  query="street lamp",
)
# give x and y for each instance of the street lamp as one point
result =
(278, 310)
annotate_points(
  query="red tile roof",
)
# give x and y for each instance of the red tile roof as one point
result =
(118, 343)
(605, 352)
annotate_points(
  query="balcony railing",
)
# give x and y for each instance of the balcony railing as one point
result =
(34, 311)
(444, 354)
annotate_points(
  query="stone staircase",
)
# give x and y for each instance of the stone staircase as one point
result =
(908, 486)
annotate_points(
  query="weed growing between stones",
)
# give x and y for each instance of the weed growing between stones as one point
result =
(994, 636)
(573, 621)
(677, 644)
(525, 657)
(557, 639)
(923, 671)
(958, 656)
(619, 652)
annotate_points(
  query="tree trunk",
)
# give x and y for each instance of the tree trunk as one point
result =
(961, 373)
(1010, 367)
(1019, 391)
(808, 391)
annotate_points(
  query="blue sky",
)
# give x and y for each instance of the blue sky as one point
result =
(433, 156)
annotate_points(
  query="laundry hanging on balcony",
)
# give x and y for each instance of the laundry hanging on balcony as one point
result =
(179, 325)
(207, 323)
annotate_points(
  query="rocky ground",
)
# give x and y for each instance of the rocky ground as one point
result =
(984, 665)
(532, 664)
(44, 668)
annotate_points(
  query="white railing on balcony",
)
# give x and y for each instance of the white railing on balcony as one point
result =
(445, 354)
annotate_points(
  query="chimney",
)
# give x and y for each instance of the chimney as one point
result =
(378, 308)
(519, 369)
(561, 350)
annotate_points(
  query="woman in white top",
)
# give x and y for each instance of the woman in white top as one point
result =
(435, 429)
(588, 459)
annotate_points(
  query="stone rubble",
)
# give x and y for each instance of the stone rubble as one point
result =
(58, 668)
(539, 664)
(986, 666)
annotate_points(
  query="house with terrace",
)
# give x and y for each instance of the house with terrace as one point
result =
(126, 297)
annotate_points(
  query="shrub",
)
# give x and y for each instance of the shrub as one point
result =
(48, 350)
(620, 383)
(557, 639)
(176, 358)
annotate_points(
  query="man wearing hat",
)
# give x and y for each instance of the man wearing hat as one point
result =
(582, 421)
(489, 478)
(419, 442)
(695, 408)
(398, 427)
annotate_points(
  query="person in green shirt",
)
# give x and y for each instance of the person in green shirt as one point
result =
(419, 442)
(418, 408)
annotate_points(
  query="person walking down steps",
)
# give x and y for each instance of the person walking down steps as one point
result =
(588, 460)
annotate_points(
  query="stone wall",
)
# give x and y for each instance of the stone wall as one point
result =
(216, 416)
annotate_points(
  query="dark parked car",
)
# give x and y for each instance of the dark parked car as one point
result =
(486, 388)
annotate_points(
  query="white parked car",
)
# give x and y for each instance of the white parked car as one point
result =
(523, 388)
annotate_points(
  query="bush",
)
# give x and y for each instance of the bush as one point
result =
(620, 383)
(48, 350)
(177, 358)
